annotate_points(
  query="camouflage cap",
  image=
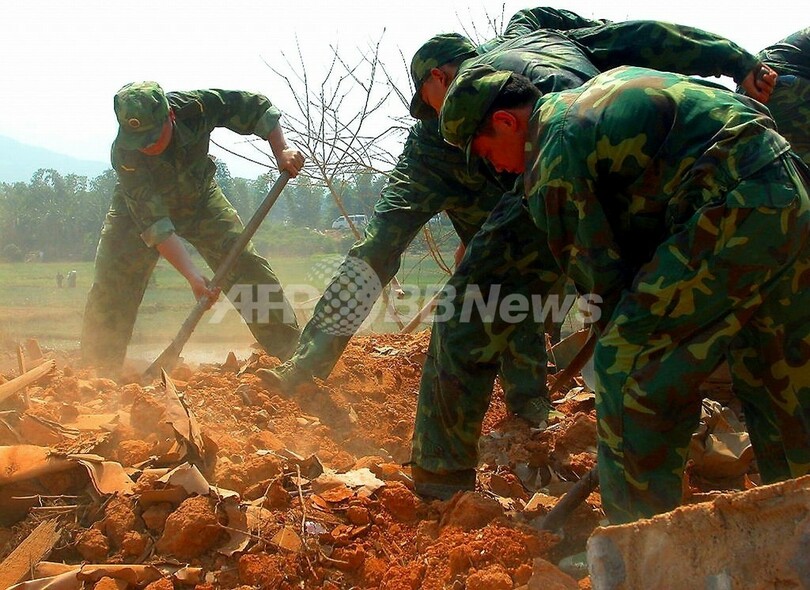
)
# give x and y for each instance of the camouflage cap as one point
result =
(467, 102)
(438, 51)
(141, 109)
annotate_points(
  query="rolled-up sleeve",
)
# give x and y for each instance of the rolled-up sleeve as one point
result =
(146, 206)
(157, 232)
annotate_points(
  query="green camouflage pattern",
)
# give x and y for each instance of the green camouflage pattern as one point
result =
(556, 61)
(508, 257)
(447, 48)
(430, 177)
(141, 109)
(790, 55)
(175, 192)
(437, 51)
(790, 102)
(664, 46)
(124, 264)
(473, 91)
(530, 20)
(154, 185)
(678, 203)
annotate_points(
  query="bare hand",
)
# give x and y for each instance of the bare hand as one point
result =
(290, 160)
(200, 288)
(760, 82)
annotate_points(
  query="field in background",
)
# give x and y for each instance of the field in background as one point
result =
(32, 306)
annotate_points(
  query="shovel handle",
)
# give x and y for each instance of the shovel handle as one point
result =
(574, 497)
(168, 357)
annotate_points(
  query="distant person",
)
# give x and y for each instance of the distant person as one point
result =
(59, 278)
(677, 203)
(166, 190)
(790, 101)
(71, 279)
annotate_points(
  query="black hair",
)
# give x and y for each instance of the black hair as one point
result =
(517, 92)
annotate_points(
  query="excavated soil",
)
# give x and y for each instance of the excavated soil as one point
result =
(250, 488)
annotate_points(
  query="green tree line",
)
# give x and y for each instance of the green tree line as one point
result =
(60, 216)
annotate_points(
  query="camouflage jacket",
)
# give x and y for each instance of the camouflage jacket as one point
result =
(558, 60)
(791, 55)
(529, 20)
(431, 176)
(617, 165)
(158, 188)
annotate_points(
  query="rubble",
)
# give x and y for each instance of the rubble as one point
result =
(206, 479)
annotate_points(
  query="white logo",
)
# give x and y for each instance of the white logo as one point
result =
(351, 288)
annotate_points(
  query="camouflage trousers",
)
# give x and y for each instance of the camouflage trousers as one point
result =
(520, 354)
(124, 264)
(735, 283)
(790, 108)
(377, 257)
(506, 262)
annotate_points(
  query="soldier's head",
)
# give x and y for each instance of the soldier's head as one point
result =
(433, 68)
(144, 118)
(486, 112)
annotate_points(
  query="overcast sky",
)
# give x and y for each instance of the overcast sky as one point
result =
(63, 61)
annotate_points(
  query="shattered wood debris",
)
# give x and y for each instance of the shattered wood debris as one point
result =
(205, 478)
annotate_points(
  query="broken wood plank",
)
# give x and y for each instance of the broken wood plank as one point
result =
(21, 359)
(19, 383)
(31, 551)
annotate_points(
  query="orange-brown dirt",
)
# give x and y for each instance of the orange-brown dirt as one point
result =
(312, 532)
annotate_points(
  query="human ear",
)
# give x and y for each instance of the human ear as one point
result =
(504, 120)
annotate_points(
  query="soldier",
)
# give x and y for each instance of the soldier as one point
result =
(507, 259)
(790, 101)
(166, 190)
(679, 205)
(461, 364)
(430, 177)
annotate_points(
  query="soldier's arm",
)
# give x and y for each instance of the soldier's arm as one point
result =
(430, 176)
(249, 113)
(173, 250)
(287, 158)
(791, 55)
(665, 46)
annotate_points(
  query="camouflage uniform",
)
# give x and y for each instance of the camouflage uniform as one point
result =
(678, 203)
(790, 102)
(175, 192)
(459, 369)
(430, 177)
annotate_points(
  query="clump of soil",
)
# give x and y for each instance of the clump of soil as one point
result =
(242, 483)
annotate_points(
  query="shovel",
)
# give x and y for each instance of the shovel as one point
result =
(169, 357)
(588, 483)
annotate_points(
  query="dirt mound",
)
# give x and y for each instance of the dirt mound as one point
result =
(209, 479)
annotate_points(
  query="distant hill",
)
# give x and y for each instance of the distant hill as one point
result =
(19, 161)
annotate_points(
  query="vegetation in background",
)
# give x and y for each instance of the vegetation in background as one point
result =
(60, 216)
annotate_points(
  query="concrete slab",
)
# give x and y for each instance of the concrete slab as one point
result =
(745, 540)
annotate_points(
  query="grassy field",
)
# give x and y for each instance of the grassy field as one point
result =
(32, 306)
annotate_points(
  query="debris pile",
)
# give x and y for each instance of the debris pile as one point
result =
(206, 479)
